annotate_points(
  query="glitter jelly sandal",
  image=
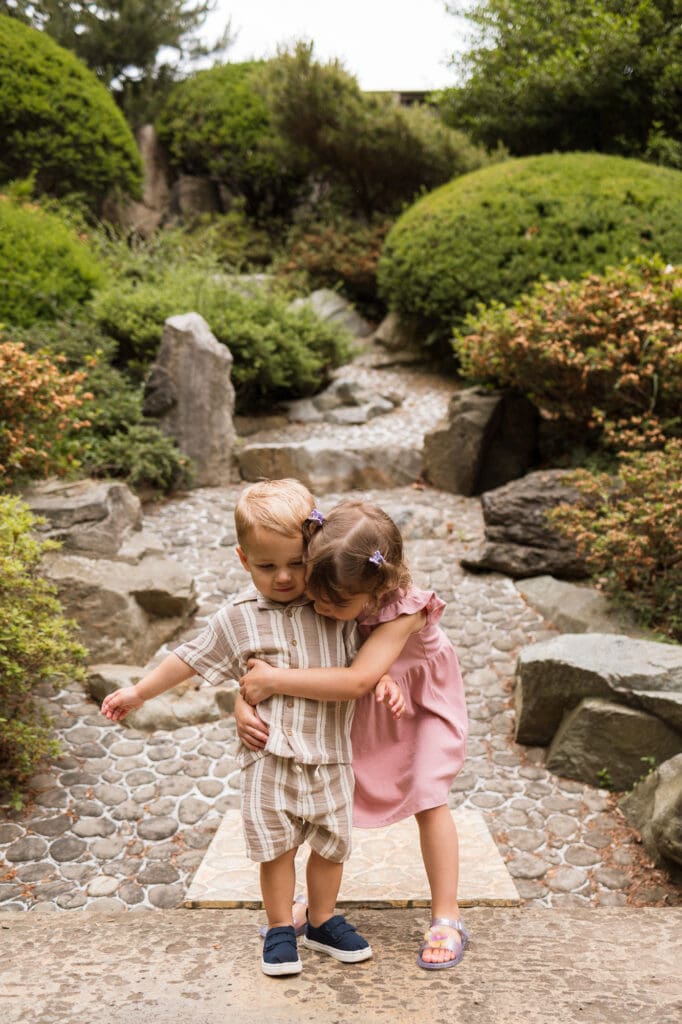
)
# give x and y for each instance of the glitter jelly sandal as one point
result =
(437, 938)
(299, 921)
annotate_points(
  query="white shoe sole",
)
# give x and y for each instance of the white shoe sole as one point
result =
(273, 970)
(346, 956)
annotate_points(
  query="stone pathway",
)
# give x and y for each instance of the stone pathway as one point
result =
(121, 821)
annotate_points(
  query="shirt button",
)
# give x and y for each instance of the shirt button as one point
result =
(293, 643)
(290, 703)
(289, 732)
(290, 612)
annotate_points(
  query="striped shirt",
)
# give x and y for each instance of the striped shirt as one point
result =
(286, 636)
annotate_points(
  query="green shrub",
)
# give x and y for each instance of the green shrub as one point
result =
(488, 236)
(115, 440)
(217, 124)
(58, 121)
(337, 253)
(45, 268)
(278, 352)
(630, 533)
(603, 354)
(38, 405)
(36, 648)
(374, 153)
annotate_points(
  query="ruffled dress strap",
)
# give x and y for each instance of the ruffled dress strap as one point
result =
(413, 600)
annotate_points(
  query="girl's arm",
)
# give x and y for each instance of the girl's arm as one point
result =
(374, 658)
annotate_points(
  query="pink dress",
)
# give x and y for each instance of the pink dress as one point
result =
(408, 765)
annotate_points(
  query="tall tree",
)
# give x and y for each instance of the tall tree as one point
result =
(127, 43)
(546, 75)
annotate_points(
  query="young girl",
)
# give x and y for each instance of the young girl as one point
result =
(355, 569)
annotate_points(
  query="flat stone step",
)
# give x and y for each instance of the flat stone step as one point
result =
(385, 869)
(324, 465)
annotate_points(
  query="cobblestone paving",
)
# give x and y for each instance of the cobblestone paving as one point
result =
(122, 819)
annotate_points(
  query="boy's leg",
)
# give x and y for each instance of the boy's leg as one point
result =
(326, 931)
(324, 881)
(277, 882)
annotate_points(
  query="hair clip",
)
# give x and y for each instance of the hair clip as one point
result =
(316, 516)
(376, 558)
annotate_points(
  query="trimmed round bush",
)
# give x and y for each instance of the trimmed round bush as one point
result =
(489, 235)
(217, 124)
(59, 122)
(45, 268)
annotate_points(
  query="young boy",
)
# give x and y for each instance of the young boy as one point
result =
(300, 786)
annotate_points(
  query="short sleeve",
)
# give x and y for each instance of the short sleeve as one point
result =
(414, 600)
(214, 652)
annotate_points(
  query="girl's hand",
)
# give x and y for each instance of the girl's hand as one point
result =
(116, 705)
(389, 693)
(257, 684)
(252, 731)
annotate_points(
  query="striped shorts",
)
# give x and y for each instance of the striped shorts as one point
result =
(285, 804)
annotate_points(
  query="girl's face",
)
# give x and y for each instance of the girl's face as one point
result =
(352, 606)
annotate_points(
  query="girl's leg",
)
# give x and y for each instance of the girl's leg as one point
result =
(324, 881)
(440, 853)
(277, 882)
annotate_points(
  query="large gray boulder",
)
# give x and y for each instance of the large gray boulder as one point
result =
(91, 516)
(553, 677)
(519, 540)
(654, 807)
(577, 607)
(324, 468)
(124, 611)
(602, 743)
(189, 391)
(486, 439)
(331, 307)
(190, 703)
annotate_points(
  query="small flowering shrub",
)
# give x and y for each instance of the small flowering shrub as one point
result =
(629, 532)
(36, 648)
(603, 354)
(341, 253)
(38, 404)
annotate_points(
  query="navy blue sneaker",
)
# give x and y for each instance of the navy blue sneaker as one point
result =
(280, 953)
(339, 939)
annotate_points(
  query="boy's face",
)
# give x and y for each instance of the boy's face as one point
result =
(275, 563)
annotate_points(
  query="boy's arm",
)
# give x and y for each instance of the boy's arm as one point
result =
(374, 658)
(171, 671)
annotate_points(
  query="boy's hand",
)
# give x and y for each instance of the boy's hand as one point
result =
(116, 705)
(257, 684)
(389, 693)
(252, 731)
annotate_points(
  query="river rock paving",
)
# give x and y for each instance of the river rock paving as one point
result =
(121, 821)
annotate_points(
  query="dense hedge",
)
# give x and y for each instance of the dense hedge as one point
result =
(59, 121)
(488, 235)
(45, 268)
(217, 124)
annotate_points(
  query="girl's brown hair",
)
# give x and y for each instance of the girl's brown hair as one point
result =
(358, 549)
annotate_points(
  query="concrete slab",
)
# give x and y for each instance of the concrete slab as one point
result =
(385, 869)
(173, 967)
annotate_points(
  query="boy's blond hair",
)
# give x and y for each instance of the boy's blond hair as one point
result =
(278, 505)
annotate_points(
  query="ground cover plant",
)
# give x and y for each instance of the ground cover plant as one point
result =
(37, 648)
(628, 528)
(487, 236)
